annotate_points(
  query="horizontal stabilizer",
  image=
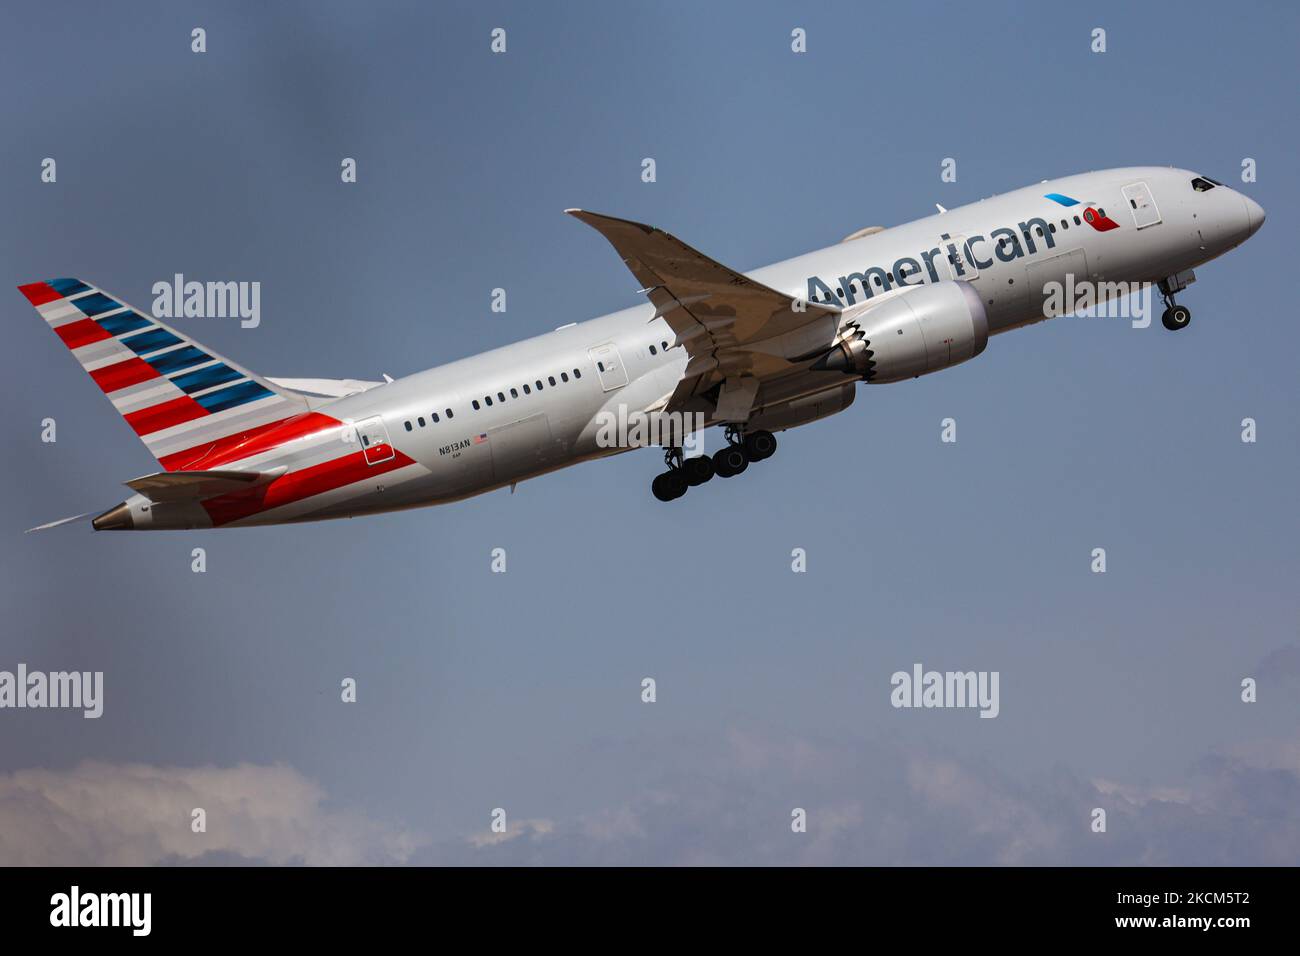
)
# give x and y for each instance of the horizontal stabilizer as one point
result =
(191, 485)
(329, 387)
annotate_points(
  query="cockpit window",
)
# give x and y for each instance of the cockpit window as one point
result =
(1204, 184)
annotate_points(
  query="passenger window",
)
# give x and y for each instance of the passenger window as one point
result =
(577, 374)
(501, 396)
(1051, 227)
(475, 404)
(435, 418)
(408, 426)
(564, 376)
(653, 350)
(488, 400)
(665, 346)
(601, 365)
(538, 383)
(514, 393)
(1078, 221)
(527, 390)
(421, 421)
(449, 413)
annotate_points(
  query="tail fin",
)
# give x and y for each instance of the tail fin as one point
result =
(182, 399)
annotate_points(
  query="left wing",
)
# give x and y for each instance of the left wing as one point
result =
(194, 485)
(737, 333)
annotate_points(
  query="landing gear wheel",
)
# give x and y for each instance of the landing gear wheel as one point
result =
(1176, 317)
(759, 445)
(730, 462)
(697, 470)
(669, 486)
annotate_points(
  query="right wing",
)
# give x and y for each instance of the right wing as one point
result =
(737, 333)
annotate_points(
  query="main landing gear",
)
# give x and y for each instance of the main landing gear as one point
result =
(1175, 316)
(683, 473)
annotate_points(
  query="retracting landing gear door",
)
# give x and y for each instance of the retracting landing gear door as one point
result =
(1142, 205)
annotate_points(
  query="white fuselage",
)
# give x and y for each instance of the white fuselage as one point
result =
(535, 406)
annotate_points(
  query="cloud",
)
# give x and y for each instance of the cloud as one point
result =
(101, 814)
(880, 802)
(725, 800)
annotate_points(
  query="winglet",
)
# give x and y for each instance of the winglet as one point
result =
(606, 224)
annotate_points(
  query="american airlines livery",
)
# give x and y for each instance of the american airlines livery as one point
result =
(755, 353)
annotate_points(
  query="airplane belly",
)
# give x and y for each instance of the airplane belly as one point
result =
(522, 448)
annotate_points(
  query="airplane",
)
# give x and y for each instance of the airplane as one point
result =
(753, 353)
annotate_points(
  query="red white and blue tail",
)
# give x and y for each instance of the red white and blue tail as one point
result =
(181, 399)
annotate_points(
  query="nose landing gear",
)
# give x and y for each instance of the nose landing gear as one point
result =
(683, 473)
(1175, 316)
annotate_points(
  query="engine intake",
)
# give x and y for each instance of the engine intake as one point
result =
(928, 328)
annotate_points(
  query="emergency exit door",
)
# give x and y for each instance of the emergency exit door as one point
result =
(1142, 205)
(609, 366)
(372, 434)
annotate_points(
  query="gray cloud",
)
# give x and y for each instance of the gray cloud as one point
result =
(875, 802)
(725, 802)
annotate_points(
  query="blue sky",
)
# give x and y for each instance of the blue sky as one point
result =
(522, 690)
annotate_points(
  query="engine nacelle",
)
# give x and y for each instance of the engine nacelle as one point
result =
(928, 328)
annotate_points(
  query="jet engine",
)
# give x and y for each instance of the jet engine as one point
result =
(921, 330)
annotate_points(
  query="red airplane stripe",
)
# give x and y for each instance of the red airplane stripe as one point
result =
(298, 485)
(133, 371)
(155, 419)
(82, 332)
(245, 444)
(38, 293)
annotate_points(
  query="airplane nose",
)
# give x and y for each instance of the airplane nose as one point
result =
(1254, 215)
